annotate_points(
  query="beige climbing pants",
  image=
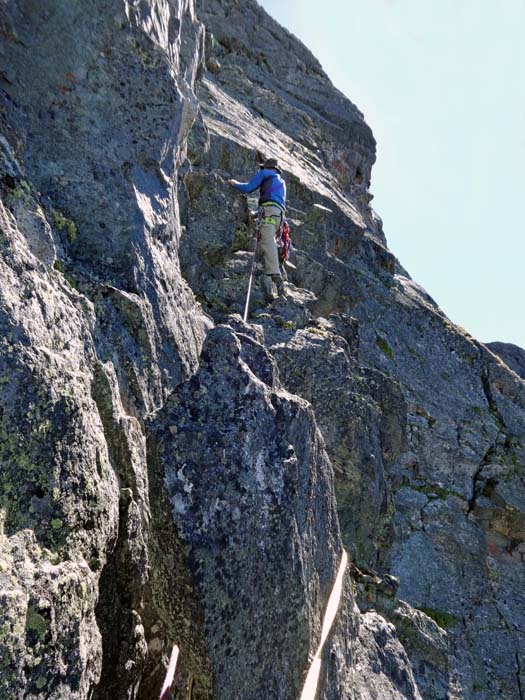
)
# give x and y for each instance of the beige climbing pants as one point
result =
(270, 224)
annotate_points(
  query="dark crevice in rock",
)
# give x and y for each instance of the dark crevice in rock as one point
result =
(172, 610)
(493, 406)
(117, 438)
(124, 575)
(486, 459)
(518, 674)
(493, 449)
(118, 611)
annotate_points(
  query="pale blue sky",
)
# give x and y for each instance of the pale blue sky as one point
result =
(442, 84)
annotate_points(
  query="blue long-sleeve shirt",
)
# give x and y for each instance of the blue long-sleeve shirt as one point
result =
(272, 187)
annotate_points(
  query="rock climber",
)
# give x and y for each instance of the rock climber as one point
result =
(272, 207)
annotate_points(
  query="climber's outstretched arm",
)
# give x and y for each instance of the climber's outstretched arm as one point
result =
(251, 186)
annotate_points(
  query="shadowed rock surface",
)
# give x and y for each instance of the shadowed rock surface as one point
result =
(170, 474)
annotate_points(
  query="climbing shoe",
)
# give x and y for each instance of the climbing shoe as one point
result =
(281, 291)
(267, 287)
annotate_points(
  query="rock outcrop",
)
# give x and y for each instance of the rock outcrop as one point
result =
(512, 355)
(170, 474)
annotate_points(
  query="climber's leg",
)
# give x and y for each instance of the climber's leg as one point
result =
(279, 284)
(269, 227)
(272, 273)
(267, 288)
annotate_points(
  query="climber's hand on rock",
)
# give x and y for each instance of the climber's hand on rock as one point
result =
(232, 182)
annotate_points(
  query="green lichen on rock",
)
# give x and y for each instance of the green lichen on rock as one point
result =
(432, 490)
(316, 331)
(243, 238)
(442, 618)
(59, 266)
(61, 222)
(22, 192)
(493, 573)
(149, 58)
(36, 623)
(490, 487)
(40, 682)
(214, 256)
(286, 325)
(384, 347)
(378, 428)
(417, 355)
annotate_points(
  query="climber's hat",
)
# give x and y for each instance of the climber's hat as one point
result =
(272, 164)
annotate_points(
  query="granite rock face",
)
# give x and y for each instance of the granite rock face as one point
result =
(97, 326)
(423, 425)
(251, 493)
(170, 474)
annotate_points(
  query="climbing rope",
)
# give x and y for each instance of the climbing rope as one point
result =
(312, 679)
(168, 681)
(245, 317)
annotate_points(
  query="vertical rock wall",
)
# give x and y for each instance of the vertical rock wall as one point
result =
(97, 327)
(424, 426)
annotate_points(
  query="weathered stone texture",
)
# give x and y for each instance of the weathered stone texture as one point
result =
(250, 489)
(97, 326)
(165, 479)
(424, 427)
